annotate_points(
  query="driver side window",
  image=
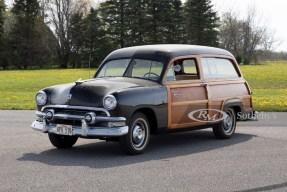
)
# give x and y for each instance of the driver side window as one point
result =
(183, 69)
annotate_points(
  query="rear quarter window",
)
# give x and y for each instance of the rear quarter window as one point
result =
(218, 68)
(189, 66)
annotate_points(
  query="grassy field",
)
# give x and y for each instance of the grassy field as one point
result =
(18, 88)
(269, 85)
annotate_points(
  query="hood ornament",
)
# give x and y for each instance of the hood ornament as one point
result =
(79, 81)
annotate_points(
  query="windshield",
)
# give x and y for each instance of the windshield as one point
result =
(115, 68)
(138, 68)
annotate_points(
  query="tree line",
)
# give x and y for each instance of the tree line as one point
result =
(71, 33)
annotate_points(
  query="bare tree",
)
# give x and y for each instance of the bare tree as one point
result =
(59, 14)
(245, 37)
(231, 34)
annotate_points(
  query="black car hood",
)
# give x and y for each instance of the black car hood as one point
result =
(91, 92)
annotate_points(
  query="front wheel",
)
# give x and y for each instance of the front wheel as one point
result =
(137, 139)
(62, 141)
(226, 128)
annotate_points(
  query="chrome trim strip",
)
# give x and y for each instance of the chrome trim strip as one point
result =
(111, 119)
(68, 117)
(81, 117)
(76, 107)
(83, 130)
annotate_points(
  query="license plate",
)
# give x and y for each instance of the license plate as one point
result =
(64, 129)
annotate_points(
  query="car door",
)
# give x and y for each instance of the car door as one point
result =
(187, 93)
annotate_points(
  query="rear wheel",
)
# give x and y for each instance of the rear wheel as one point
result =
(226, 128)
(62, 141)
(136, 141)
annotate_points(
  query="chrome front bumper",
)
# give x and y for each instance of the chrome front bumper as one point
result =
(116, 126)
(84, 130)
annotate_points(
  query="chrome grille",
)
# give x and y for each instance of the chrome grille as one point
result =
(71, 115)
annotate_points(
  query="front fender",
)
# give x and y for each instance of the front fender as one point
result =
(133, 99)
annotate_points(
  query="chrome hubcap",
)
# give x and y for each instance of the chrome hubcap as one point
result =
(228, 122)
(139, 133)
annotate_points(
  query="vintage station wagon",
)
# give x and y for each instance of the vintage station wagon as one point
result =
(144, 90)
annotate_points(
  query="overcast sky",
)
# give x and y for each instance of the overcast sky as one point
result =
(274, 11)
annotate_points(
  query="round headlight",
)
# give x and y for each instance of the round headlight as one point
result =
(41, 98)
(110, 102)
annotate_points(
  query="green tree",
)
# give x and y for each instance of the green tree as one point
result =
(3, 51)
(2, 11)
(89, 41)
(97, 43)
(201, 23)
(158, 12)
(76, 30)
(151, 21)
(45, 45)
(136, 22)
(113, 13)
(22, 38)
(176, 27)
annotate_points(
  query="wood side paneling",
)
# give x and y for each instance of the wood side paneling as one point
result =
(228, 90)
(188, 94)
(179, 114)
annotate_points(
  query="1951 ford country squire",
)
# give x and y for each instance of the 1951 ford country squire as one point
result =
(144, 90)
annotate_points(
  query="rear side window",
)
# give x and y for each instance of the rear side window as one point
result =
(218, 68)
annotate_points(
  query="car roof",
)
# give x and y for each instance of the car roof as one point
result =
(166, 50)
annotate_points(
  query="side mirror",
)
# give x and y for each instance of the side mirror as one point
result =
(177, 68)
